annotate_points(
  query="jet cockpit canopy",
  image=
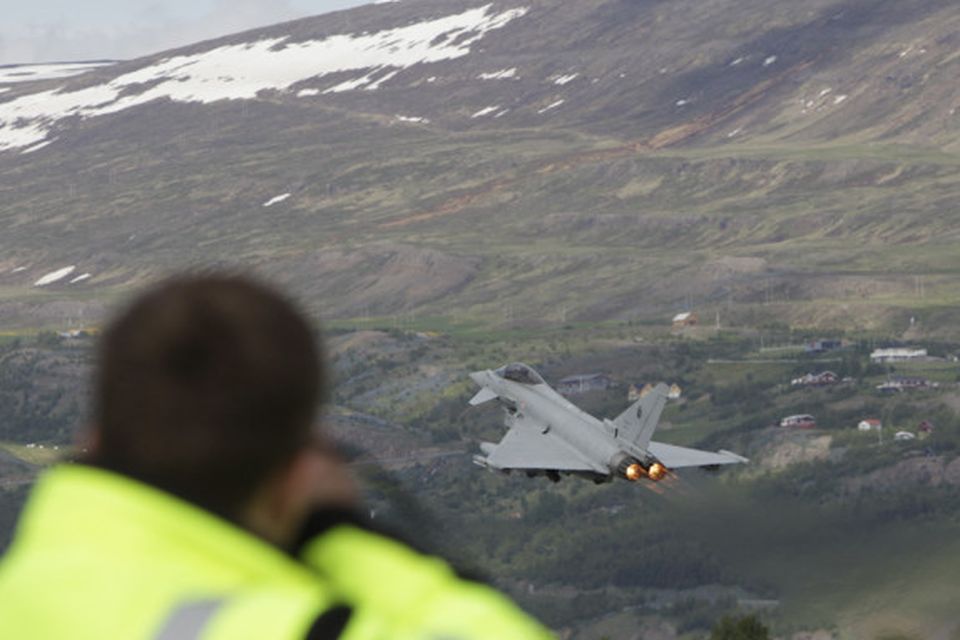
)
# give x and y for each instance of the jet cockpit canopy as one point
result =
(519, 372)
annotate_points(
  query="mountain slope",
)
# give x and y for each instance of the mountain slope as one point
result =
(521, 162)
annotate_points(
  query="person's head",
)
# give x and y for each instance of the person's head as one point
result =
(208, 387)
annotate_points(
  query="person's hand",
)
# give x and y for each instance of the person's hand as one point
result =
(328, 480)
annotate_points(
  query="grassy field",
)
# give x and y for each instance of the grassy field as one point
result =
(40, 455)
(549, 228)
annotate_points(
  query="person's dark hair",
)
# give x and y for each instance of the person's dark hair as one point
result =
(206, 386)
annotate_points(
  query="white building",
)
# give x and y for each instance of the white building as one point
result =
(897, 355)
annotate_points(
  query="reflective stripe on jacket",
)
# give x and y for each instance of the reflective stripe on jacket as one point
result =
(98, 555)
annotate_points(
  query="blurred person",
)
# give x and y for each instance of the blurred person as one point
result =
(208, 506)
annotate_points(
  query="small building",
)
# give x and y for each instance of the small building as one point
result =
(897, 355)
(581, 383)
(821, 379)
(800, 421)
(904, 383)
(685, 319)
(870, 424)
(821, 346)
(904, 435)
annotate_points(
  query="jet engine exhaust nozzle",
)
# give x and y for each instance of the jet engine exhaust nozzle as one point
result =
(631, 469)
(656, 471)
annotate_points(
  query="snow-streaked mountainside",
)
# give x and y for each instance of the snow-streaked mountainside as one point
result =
(244, 70)
(514, 161)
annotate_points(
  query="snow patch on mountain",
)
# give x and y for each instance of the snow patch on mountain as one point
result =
(350, 85)
(276, 199)
(241, 71)
(503, 74)
(10, 74)
(37, 146)
(485, 111)
(373, 86)
(54, 276)
(551, 106)
(562, 80)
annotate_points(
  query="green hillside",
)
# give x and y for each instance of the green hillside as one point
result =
(824, 529)
(770, 162)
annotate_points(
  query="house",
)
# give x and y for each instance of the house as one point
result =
(800, 421)
(820, 346)
(903, 383)
(904, 435)
(686, 319)
(816, 379)
(581, 383)
(870, 424)
(897, 355)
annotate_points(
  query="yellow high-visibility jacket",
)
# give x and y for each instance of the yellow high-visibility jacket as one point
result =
(100, 556)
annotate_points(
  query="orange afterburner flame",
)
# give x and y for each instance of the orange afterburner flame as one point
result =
(657, 471)
(634, 472)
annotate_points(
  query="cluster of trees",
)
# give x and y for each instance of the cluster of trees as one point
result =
(740, 628)
(41, 390)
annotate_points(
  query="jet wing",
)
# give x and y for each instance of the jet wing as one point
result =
(484, 395)
(676, 457)
(529, 445)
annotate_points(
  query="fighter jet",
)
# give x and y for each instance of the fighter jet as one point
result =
(548, 435)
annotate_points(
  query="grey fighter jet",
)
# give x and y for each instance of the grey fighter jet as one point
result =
(548, 435)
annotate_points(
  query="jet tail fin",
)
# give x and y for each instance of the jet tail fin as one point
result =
(640, 420)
